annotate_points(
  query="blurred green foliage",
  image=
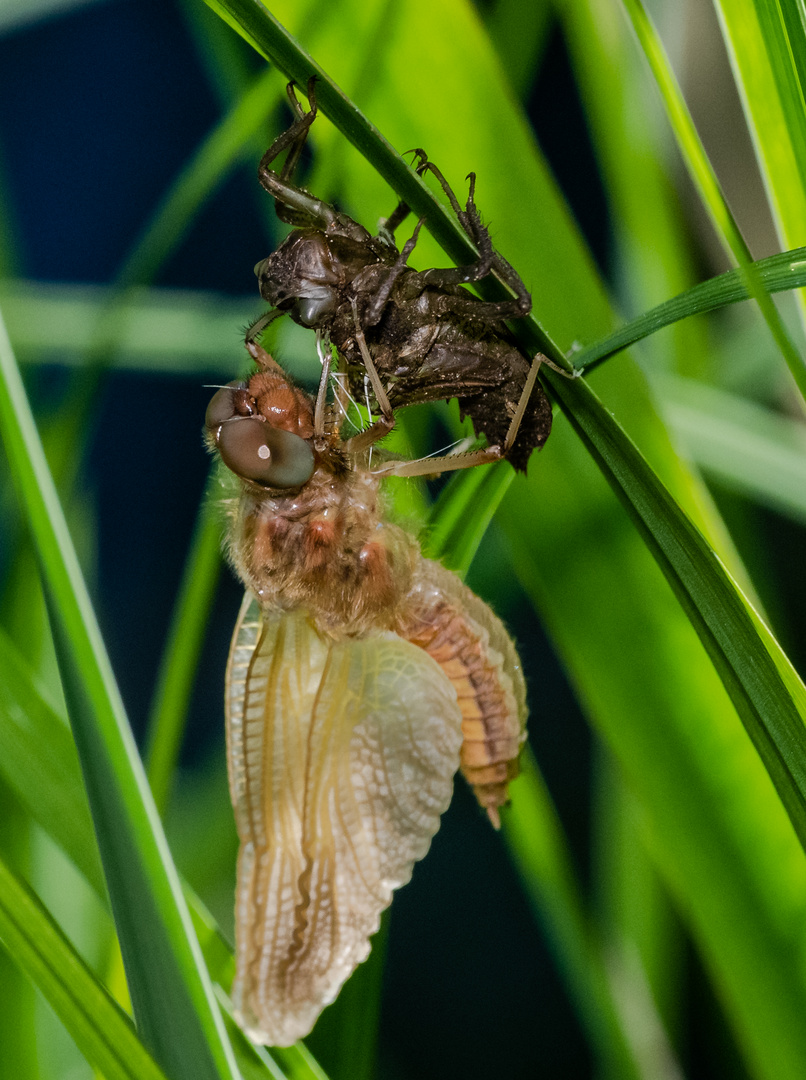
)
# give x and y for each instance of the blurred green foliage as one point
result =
(693, 851)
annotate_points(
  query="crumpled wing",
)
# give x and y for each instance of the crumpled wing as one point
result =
(342, 757)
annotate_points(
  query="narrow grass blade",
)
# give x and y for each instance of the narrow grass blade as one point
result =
(765, 690)
(255, 1062)
(172, 330)
(462, 514)
(172, 998)
(749, 449)
(38, 761)
(101, 1029)
(20, 1055)
(181, 655)
(540, 853)
(299, 1063)
(224, 59)
(520, 33)
(635, 917)
(707, 183)
(630, 137)
(763, 46)
(216, 155)
(778, 273)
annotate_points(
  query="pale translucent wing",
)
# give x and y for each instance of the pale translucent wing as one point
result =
(380, 738)
(384, 749)
(273, 676)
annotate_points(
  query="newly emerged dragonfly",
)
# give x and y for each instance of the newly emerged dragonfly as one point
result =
(361, 677)
(429, 338)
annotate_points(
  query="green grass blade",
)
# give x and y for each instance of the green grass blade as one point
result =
(635, 916)
(181, 655)
(20, 1056)
(541, 855)
(707, 183)
(171, 330)
(630, 138)
(519, 33)
(766, 49)
(223, 56)
(778, 273)
(746, 655)
(299, 1063)
(172, 998)
(101, 1029)
(462, 514)
(749, 449)
(38, 761)
(255, 1062)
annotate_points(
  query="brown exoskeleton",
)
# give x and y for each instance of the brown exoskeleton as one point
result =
(361, 677)
(417, 335)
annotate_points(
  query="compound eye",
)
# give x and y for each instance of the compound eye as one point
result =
(256, 451)
(228, 401)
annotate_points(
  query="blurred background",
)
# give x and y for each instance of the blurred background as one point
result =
(103, 105)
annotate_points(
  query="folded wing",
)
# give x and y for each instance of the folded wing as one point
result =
(341, 756)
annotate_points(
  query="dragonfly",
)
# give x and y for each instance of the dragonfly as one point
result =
(361, 677)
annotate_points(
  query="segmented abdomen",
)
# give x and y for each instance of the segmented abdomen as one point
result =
(470, 644)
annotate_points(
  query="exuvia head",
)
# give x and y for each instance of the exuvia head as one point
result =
(304, 276)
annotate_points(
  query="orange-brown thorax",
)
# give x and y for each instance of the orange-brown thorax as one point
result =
(282, 405)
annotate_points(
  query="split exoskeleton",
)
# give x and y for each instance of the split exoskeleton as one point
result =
(361, 677)
(416, 335)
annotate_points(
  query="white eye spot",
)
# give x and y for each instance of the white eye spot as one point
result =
(264, 452)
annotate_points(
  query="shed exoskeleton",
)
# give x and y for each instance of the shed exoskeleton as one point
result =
(418, 335)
